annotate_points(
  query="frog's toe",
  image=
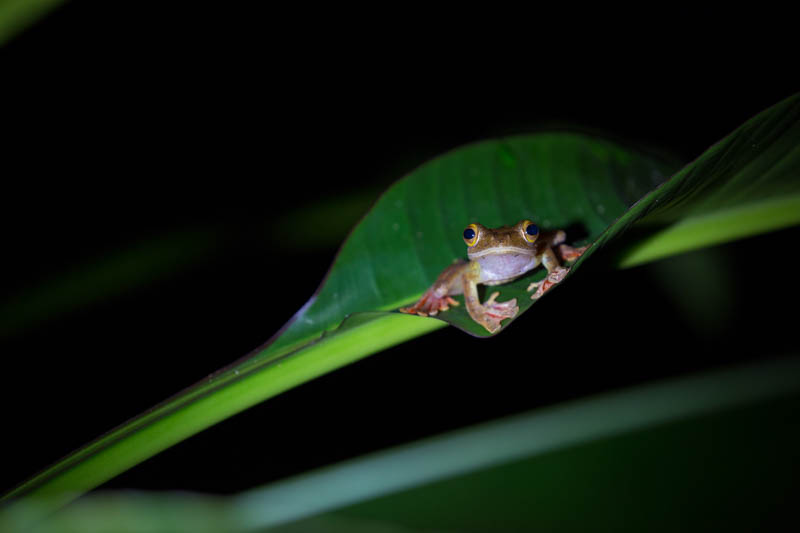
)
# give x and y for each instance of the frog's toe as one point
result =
(568, 253)
(491, 325)
(503, 310)
(508, 307)
(543, 286)
(430, 304)
(495, 312)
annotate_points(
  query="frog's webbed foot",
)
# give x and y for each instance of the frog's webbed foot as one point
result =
(430, 304)
(569, 254)
(555, 272)
(494, 312)
(552, 278)
(437, 298)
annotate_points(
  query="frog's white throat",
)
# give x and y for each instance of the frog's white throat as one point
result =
(502, 267)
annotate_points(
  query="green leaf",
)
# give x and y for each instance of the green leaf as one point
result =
(748, 180)
(558, 180)
(746, 184)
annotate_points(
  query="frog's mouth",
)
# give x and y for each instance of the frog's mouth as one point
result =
(503, 250)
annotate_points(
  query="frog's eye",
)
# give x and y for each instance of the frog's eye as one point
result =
(471, 235)
(529, 230)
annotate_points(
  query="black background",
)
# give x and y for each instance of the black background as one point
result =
(124, 122)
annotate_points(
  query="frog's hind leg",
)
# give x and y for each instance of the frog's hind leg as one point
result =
(437, 297)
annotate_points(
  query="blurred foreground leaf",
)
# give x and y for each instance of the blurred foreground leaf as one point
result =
(714, 451)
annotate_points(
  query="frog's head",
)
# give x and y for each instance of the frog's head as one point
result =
(517, 239)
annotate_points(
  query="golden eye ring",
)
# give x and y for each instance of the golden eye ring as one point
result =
(529, 230)
(471, 235)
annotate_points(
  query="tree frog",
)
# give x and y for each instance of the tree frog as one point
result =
(498, 256)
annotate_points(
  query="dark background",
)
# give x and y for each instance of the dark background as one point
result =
(123, 125)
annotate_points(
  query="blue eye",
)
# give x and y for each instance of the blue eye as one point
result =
(532, 230)
(469, 234)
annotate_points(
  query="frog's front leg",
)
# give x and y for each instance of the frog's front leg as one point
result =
(555, 272)
(491, 313)
(437, 297)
